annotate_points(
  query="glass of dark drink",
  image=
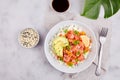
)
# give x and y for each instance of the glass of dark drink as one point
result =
(60, 5)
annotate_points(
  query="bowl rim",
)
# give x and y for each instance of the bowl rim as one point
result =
(72, 21)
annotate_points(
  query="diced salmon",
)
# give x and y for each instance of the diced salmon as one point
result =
(76, 48)
(74, 61)
(70, 36)
(81, 57)
(66, 58)
(76, 37)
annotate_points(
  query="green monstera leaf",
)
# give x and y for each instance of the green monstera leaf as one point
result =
(92, 8)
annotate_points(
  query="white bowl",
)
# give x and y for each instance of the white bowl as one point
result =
(81, 66)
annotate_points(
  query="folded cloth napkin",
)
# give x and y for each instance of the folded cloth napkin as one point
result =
(53, 18)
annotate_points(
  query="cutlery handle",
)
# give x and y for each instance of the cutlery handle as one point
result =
(98, 71)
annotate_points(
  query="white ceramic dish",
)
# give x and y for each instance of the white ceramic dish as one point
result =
(62, 67)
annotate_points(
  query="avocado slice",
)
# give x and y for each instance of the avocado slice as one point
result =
(58, 50)
(62, 41)
(58, 44)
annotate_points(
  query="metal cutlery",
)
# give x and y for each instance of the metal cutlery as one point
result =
(103, 35)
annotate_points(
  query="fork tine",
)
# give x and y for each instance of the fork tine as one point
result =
(104, 32)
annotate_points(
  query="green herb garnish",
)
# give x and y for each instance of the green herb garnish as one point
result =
(76, 60)
(70, 64)
(78, 53)
(76, 32)
(76, 42)
(61, 59)
(68, 47)
(84, 51)
(65, 31)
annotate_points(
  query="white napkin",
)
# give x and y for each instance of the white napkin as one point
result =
(53, 18)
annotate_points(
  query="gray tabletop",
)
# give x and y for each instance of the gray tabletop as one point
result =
(18, 63)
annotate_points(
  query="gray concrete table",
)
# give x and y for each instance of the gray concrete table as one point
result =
(18, 63)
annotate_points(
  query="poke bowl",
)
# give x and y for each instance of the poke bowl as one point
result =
(70, 46)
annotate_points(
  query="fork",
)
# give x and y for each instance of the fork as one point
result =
(103, 35)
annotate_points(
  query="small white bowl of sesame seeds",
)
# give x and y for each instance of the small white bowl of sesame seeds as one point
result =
(28, 38)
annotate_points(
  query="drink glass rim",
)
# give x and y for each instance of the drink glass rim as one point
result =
(51, 1)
